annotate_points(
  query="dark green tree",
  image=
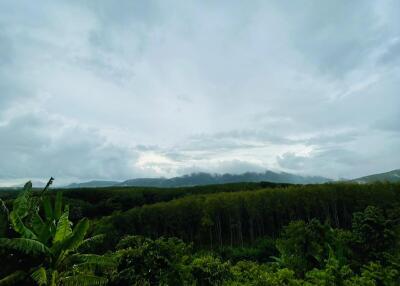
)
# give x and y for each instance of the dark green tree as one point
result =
(143, 261)
(374, 234)
(304, 246)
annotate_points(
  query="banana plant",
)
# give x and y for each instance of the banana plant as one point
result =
(47, 232)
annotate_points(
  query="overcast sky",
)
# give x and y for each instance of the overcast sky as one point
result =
(126, 89)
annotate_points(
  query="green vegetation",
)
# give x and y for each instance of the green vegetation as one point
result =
(234, 234)
(47, 245)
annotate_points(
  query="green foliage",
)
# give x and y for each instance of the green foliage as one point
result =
(251, 273)
(40, 276)
(4, 213)
(164, 261)
(63, 229)
(304, 246)
(98, 202)
(388, 275)
(213, 235)
(52, 239)
(210, 270)
(331, 275)
(25, 245)
(239, 218)
(13, 278)
(83, 280)
(261, 250)
(373, 234)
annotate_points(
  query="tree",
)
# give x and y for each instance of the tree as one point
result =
(373, 234)
(47, 233)
(209, 270)
(304, 246)
(143, 261)
(252, 273)
(333, 274)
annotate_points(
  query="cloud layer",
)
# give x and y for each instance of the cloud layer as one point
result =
(104, 90)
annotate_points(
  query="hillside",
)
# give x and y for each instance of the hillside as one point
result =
(392, 176)
(93, 184)
(201, 179)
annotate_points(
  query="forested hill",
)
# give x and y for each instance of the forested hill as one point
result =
(200, 179)
(392, 176)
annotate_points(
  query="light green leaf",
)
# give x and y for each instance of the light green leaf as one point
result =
(25, 245)
(78, 235)
(63, 227)
(19, 226)
(21, 204)
(46, 232)
(37, 224)
(54, 276)
(40, 276)
(84, 280)
(92, 262)
(91, 241)
(48, 210)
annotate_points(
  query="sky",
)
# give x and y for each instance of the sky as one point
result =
(117, 90)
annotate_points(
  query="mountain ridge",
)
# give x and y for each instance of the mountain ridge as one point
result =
(391, 176)
(202, 178)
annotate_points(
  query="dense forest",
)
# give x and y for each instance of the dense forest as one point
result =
(231, 234)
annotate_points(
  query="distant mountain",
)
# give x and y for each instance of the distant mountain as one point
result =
(198, 179)
(35, 184)
(392, 176)
(93, 184)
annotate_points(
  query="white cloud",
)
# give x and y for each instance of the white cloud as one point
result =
(98, 90)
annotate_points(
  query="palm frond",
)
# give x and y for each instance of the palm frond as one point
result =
(87, 243)
(84, 280)
(21, 204)
(54, 276)
(92, 262)
(63, 227)
(19, 226)
(25, 245)
(13, 278)
(46, 232)
(37, 224)
(49, 183)
(40, 276)
(77, 236)
(48, 209)
(4, 214)
(3, 207)
(71, 243)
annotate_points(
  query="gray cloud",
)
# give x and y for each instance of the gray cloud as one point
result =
(230, 166)
(391, 55)
(95, 89)
(36, 146)
(340, 161)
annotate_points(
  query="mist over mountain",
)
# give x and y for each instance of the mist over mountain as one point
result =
(198, 179)
(93, 184)
(392, 176)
